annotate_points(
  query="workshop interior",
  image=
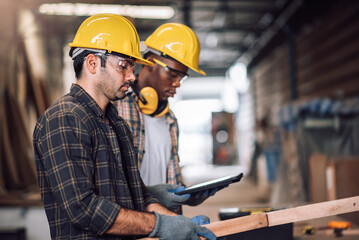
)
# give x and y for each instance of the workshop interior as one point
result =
(279, 104)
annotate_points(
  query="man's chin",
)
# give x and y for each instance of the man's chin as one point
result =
(120, 97)
(165, 98)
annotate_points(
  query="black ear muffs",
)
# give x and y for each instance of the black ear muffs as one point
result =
(149, 103)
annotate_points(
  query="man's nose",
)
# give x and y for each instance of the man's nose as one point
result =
(177, 83)
(131, 77)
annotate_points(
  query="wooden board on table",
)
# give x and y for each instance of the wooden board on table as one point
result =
(279, 217)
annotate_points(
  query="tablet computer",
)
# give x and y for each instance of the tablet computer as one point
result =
(219, 182)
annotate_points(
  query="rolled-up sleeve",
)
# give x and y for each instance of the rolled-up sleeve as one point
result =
(148, 198)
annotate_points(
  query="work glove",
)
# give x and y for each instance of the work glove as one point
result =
(179, 228)
(199, 197)
(200, 220)
(165, 193)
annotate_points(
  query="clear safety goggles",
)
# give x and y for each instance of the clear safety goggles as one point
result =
(121, 64)
(173, 73)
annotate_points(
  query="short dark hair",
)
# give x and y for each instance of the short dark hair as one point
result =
(79, 61)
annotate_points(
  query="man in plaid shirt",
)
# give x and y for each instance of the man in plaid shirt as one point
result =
(85, 159)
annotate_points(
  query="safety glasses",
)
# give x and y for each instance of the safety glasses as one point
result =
(124, 63)
(121, 64)
(173, 73)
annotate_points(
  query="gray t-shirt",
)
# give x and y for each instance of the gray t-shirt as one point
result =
(157, 151)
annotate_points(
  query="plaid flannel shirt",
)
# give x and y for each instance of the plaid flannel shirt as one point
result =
(87, 169)
(129, 110)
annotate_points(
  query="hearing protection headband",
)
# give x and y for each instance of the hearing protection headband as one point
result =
(149, 103)
(138, 93)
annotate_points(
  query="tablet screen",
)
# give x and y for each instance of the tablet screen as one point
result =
(219, 182)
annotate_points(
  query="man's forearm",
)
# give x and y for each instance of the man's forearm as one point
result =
(129, 222)
(156, 207)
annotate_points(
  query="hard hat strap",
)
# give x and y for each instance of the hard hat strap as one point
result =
(154, 51)
(138, 93)
(78, 51)
(158, 53)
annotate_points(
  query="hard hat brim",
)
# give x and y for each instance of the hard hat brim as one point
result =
(144, 62)
(198, 70)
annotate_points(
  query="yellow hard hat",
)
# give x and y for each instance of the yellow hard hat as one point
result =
(109, 32)
(177, 41)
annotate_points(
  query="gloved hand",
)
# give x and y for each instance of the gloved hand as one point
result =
(165, 194)
(199, 197)
(200, 220)
(179, 228)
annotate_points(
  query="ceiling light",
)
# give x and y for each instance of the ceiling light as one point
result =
(237, 74)
(212, 40)
(83, 9)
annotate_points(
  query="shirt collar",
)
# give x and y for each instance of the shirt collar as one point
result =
(170, 117)
(83, 97)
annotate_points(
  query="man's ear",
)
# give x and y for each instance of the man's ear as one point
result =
(91, 63)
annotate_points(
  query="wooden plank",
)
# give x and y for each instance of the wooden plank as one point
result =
(241, 224)
(290, 215)
(313, 211)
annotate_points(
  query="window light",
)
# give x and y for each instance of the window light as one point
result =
(83, 9)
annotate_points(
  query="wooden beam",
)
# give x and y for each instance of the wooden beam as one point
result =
(290, 215)
(313, 211)
(240, 224)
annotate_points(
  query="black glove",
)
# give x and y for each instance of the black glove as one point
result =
(179, 228)
(165, 194)
(199, 197)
